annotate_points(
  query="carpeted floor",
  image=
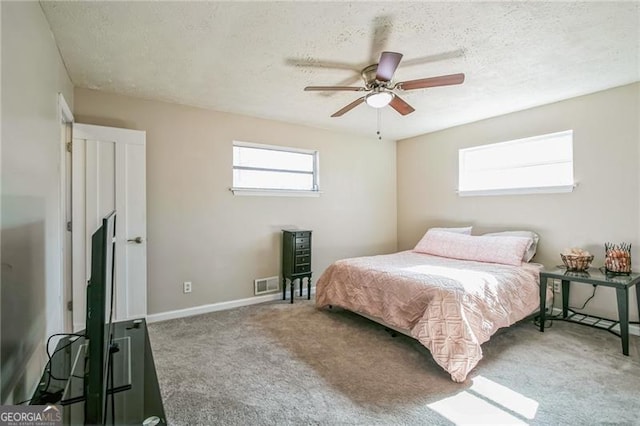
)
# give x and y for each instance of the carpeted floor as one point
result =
(278, 364)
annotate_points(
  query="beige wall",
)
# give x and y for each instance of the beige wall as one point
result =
(199, 231)
(30, 236)
(604, 207)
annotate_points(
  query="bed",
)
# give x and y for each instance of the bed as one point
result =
(450, 305)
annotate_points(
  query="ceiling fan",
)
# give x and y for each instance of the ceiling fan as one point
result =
(377, 80)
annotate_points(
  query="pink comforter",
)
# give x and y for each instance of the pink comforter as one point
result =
(450, 306)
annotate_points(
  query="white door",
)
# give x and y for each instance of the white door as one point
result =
(108, 172)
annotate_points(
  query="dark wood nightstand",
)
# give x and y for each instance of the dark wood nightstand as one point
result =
(296, 260)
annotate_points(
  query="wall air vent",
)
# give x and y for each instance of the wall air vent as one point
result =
(266, 285)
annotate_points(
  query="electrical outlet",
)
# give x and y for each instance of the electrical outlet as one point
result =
(186, 287)
(556, 286)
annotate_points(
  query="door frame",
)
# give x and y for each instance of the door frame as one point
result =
(65, 118)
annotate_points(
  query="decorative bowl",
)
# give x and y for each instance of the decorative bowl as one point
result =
(576, 262)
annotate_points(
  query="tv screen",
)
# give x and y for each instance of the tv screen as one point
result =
(99, 316)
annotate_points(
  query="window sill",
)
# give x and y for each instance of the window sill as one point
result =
(274, 192)
(518, 191)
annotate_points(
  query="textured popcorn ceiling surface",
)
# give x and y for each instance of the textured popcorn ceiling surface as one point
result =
(255, 58)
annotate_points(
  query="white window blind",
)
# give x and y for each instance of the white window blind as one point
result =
(537, 164)
(258, 167)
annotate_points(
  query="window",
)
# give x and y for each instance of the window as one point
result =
(274, 170)
(524, 166)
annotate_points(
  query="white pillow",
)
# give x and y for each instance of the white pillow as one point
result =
(506, 250)
(533, 246)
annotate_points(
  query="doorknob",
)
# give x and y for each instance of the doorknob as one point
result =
(137, 240)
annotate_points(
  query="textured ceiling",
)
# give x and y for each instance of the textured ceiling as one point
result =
(255, 58)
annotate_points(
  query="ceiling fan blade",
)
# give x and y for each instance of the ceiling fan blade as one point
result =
(319, 63)
(351, 80)
(354, 79)
(387, 66)
(341, 88)
(381, 30)
(401, 106)
(349, 107)
(452, 54)
(443, 80)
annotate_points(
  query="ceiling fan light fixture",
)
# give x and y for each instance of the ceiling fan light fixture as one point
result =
(379, 99)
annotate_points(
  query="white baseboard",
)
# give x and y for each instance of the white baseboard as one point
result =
(633, 328)
(221, 306)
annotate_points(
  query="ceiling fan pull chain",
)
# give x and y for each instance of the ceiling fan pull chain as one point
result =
(379, 119)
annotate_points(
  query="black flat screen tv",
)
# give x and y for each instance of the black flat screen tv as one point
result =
(99, 318)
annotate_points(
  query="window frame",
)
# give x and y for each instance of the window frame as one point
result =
(315, 192)
(548, 189)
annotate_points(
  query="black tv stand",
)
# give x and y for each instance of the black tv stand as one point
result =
(135, 395)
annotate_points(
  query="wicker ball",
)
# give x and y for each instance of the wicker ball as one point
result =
(576, 263)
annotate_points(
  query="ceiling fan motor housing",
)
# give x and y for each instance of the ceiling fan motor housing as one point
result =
(369, 77)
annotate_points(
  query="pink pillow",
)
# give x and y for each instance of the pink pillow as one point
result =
(506, 250)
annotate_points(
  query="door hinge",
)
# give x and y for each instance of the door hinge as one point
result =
(70, 305)
(69, 226)
(69, 146)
